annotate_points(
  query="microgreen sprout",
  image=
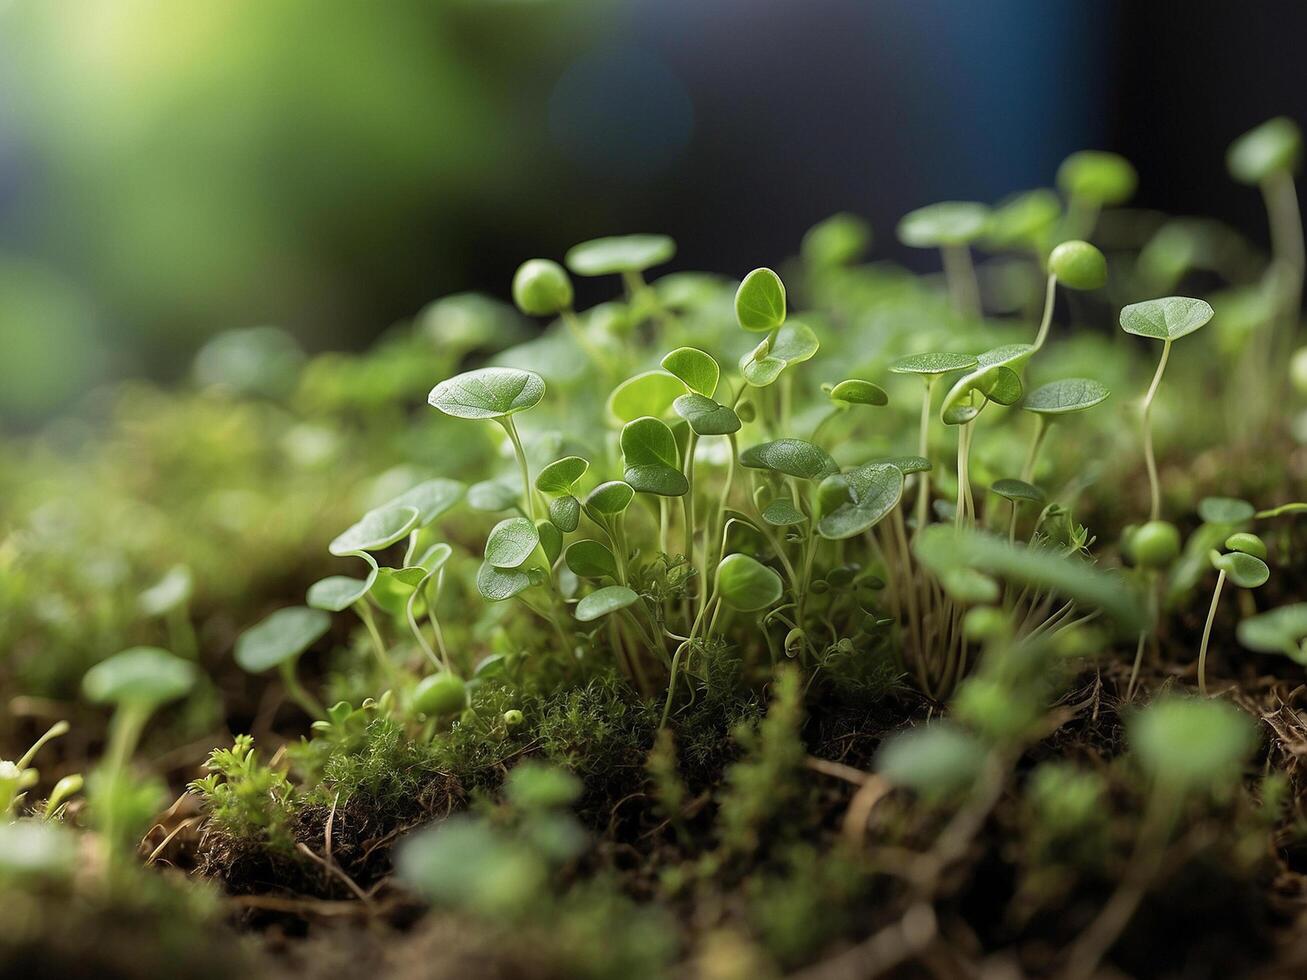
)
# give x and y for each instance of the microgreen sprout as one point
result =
(952, 227)
(1166, 320)
(1092, 180)
(278, 641)
(1076, 265)
(1244, 565)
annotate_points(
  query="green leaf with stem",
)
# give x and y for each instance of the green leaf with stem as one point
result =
(590, 559)
(856, 392)
(511, 542)
(652, 459)
(760, 301)
(488, 393)
(604, 601)
(746, 584)
(793, 457)
(651, 393)
(561, 476)
(792, 344)
(698, 370)
(376, 530)
(1282, 630)
(875, 490)
(705, 416)
(619, 254)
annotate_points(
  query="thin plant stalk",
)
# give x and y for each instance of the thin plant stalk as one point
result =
(1207, 634)
(297, 692)
(960, 275)
(964, 475)
(923, 448)
(378, 644)
(1050, 297)
(1150, 460)
(511, 428)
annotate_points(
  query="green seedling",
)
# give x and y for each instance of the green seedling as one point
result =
(952, 227)
(1166, 320)
(169, 599)
(1092, 180)
(840, 240)
(649, 394)
(557, 482)
(440, 695)
(937, 762)
(1282, 631)
(279, 641)
(1024, 222)
(136, 682)
(1076, 265)
(17, 777)
(495, 394)
(1244, 565)
(1050, 402)
(624, 255)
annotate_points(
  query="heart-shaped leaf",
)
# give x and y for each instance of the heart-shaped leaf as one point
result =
(781, 512)
(793, 344)
(746, 584)
(1165, 319)
(652, 459)
(1245, 571)
(339, 592)
(560, 476)
(705, 416)
(488, 393)
(565, 513)
(377, 529)
(944, 224)
(511, 542)
(650, 393)
(280, 638)
(855, 392)
(590, 559)
(601, 602)
(760, 301)
(934, 364)
(793, 457)
(875, 490)
(698, 370)
(609, 499)
(498, 584)
(431, 498)
(1066, 396)
(146, 676)
(619, 253)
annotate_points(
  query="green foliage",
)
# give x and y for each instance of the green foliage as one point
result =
(944, 224)
(620, 253)
(541, 288)
(1188, 745)
(1078, 265)
(760, 301)
(1274, 147)
(1097, 177)
(247, 799)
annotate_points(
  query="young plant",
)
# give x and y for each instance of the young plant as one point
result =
(1244, 565)
(1166, 320)
(1092, 180)
(1076, 265)
(1282, 631)
(952, 227)
(16, 777)
(169, 600)
(1049, 403)
(136, 682)
(278, 641)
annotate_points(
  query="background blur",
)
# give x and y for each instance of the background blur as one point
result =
(169, 170)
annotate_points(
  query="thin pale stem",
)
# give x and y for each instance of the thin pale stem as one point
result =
(378, 644)
(527, 490)
(1050, 297)
(964, 475)
(297, 693)
(923, 450)
(1154, 487)
(960, 274)
(1207, 635)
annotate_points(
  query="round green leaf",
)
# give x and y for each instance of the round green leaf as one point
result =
(601, 602)
(971, 393)
(760, 301)
(1192, 743)
(699, 371)
(280, 638)
(430, 498)
(746, 584)
(551, 540)
(440, 695)
(169, 593)
(498, 584)
(1066, 396)
(488, 393)
(875, 490)
(565, 513)
(1078, 265)
(651, 393)
(1249, 544)
(1245, 571)
(705, 416)
(1165, 319)
(609, 499)
(652, 458)
(856, 392)
(560, 476)
(944, 224)
(934, 364)
(495, 495)
(394, 586)
(1097, 177)
(839, 240)
(619, 253)
(1277, 631)
(1273, 147)
(338, 592)
(1225, 510)
(793, 457)
(1018, 491)
(511, 542)
(1024, 220)
(146, 676)
(590, 559)
(377, 529)
(541, 288)
(781, 512)
(935, 760)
